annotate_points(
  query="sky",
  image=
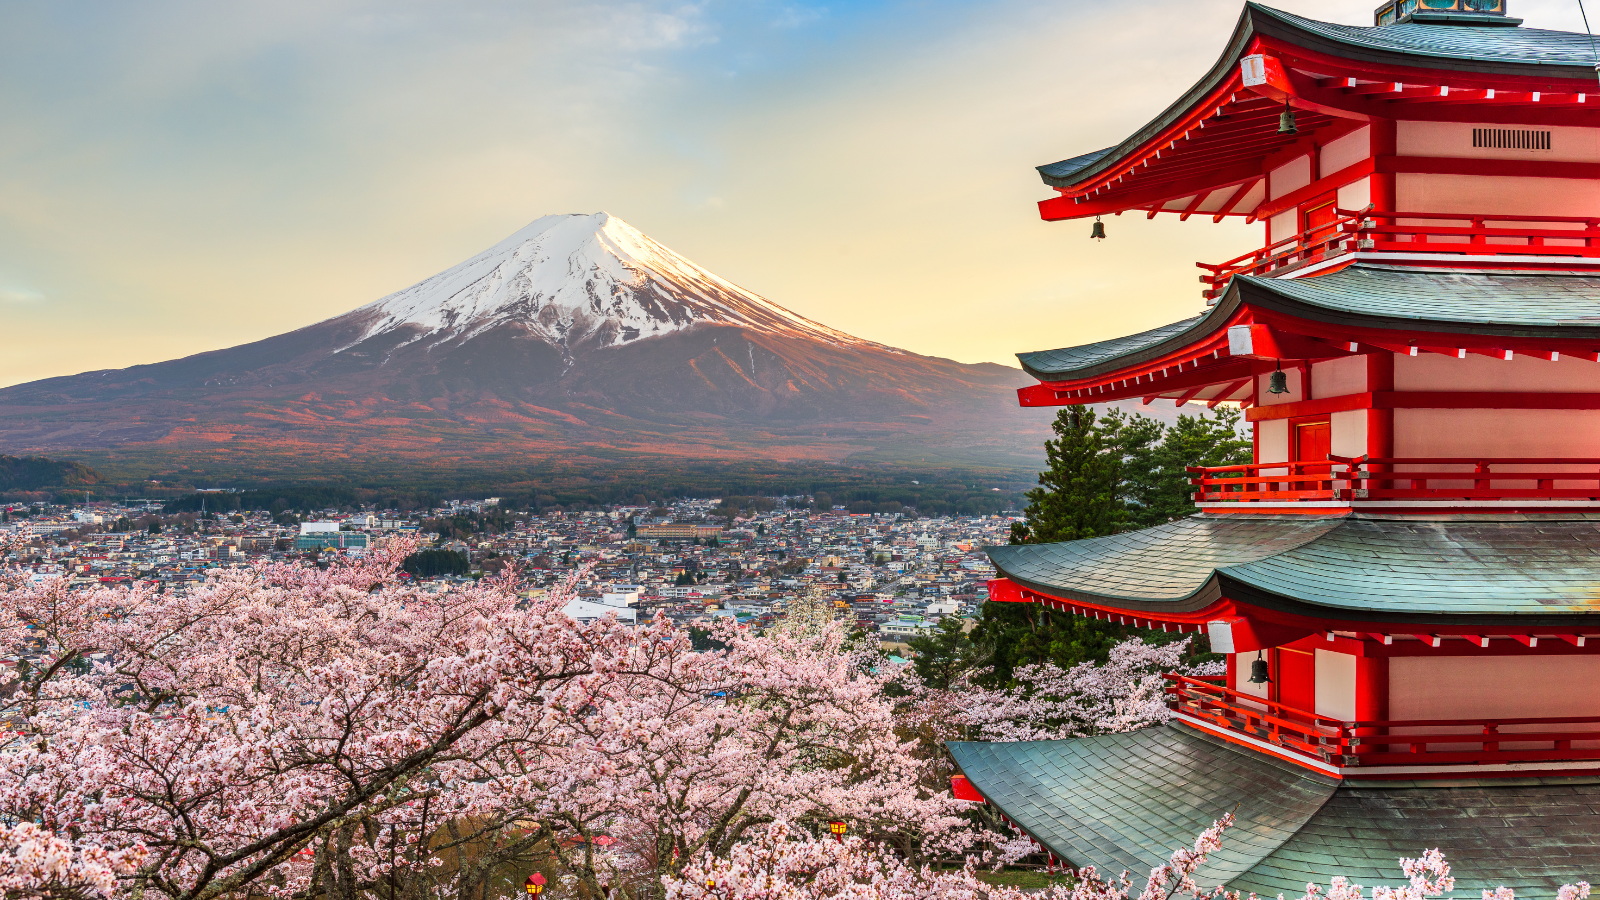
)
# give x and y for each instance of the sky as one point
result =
(178, 176)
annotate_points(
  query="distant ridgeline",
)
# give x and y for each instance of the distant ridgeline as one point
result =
(30, 473)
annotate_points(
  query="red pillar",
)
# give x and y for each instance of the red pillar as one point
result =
(1380, 422)
(1372, 696)
(1383, 144)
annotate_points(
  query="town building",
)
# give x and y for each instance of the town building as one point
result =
(1404, 578)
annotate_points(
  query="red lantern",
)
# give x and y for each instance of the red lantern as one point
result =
(534, 884)
(838, 829)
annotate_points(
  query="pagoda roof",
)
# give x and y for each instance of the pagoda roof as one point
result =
(1485, 569)
(1126, 801)
(1522, 305)
(1194, 134)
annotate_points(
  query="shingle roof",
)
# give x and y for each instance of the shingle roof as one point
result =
(1127, 801)
(1509, 51)
(1426, 569)
(1523, 304)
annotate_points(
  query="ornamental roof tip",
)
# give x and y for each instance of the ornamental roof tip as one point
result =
(1481, 569)
(1512, 51)
(1450, 301)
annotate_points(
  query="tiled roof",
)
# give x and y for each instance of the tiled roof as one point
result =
(1069, 359)
(1126, 801)
(1532, 304)
(1523, 568)
(1512, 51)
(1538, 299)
(1518, 46)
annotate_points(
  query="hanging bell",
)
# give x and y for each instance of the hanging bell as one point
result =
(1286, 120)
(1098, 232)
(1278, 383)
(1258, 671)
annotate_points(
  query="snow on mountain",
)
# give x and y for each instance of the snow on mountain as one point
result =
(571, 279)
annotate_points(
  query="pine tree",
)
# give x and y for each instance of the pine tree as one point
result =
(1077, 493)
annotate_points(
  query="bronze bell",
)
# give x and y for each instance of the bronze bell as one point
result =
(1286, 120)
(1258, 671)
(1278, 383)
(1098, 232)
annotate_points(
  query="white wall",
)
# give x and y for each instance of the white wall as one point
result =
(1338, 377)
(1291, 176)
(1272, 440)
(1437, 372)
(1345, 152)
(1507, 195)
(1357, 194)
(1461, 687)
(1497, 432)
(1348, 433)
(1336, 685)
(1454, 139)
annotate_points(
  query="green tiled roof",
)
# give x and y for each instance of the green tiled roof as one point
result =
(1127, 801)
(1526, 570)
(1532, 304)
(1508, 51)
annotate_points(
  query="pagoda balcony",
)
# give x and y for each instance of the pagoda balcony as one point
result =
(1458, 239)
(1383, 747)
(1361, 480)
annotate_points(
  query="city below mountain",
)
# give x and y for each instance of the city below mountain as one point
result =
(576, 338)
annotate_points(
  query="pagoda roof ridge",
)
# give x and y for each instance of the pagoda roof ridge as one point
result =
(1517, 52)
(1511, 572)
(1555, 305)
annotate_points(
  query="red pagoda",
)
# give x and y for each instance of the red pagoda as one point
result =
(1406, 579)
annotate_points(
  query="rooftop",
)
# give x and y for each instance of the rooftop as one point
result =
(1125, 801)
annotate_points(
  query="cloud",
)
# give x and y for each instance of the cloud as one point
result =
(19, 295)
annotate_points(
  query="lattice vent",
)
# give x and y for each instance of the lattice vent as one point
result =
(1510, 139)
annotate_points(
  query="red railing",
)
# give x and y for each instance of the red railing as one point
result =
(1269, 481)
(1413, 742)
(1414, 232)
(1401, 478)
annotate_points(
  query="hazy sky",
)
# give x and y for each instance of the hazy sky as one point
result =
(180, 176)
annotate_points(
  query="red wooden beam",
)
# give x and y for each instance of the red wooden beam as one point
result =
(1228, 392)
(1189, 394)
(1337, 180)
(1063, 207)
(1238, 195)
(1188, 211)
(1425, 400)
(1525, 168)
(1526, 640)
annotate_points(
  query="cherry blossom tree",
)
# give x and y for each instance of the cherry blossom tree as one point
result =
(294, 730)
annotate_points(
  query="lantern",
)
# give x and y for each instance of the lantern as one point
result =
(838, 829)
(534, 884)
(711, 883)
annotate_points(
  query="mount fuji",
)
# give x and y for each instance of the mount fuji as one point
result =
(576, 337)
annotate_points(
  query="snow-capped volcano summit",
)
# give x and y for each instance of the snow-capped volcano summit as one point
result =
(580, 279)
(576, 335)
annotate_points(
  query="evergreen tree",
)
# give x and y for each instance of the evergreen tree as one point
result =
(943, 656)
(1077, 493)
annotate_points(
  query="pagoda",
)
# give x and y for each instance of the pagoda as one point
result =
(1406, 578)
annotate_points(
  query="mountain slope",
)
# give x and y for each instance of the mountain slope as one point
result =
(577, 334)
